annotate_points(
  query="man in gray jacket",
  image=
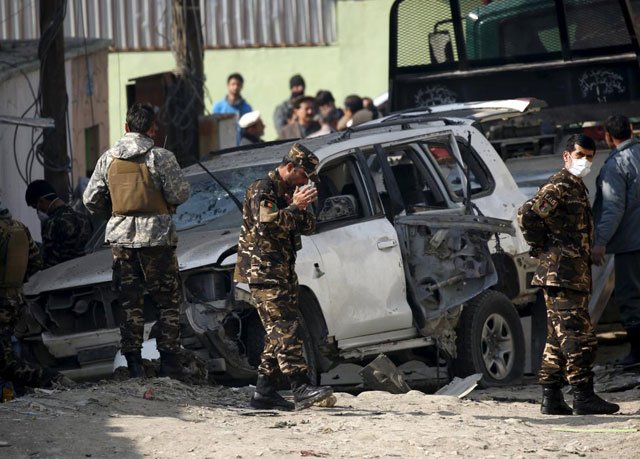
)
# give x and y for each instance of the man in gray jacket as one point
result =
(140, 185)
(617, 224)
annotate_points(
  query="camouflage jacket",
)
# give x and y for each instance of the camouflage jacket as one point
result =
(130, 231)
(558, 225)
(270, 233)
(34, 263)
(64, 235)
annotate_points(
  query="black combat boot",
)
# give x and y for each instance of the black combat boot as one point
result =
(553, 401)
(266, 397)
(171, 366)
(305, 394)
(633, 335)
(585, 401)
(134, 363)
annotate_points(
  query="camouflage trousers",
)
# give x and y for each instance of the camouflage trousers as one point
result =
(155, 268)
(278, 310)
(12, 368)
(571, 344)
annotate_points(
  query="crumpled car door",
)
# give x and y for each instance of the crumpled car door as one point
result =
(446, 258)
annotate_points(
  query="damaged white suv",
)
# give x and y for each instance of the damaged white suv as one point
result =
(400, 262)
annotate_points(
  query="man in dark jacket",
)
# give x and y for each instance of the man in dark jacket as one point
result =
(274, 217)
(617, 216)
(558, 225)
(296, 88)
(65, 232)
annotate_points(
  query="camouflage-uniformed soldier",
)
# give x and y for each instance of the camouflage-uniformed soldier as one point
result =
(274, 217)
(558, 225)
(65, 232)
(141, 185)
(19, 258)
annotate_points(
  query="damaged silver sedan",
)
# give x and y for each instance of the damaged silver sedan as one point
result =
(400, 264)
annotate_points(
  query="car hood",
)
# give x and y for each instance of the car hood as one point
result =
(195, 249)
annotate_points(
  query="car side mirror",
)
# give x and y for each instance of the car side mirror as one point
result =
(440, 47)
(338, 207)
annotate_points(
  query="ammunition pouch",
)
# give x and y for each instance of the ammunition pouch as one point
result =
(14, 255)
(132, 190)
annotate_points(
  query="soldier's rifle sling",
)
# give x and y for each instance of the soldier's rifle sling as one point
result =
(233, 198)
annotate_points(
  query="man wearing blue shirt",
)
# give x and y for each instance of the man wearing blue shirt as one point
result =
(233, 101)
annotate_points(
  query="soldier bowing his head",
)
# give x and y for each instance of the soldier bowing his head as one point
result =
(274, 216)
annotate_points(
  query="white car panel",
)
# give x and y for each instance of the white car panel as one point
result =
(365, 284)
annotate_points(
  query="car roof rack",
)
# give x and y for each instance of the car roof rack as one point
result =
(248, 147)
(404, 123)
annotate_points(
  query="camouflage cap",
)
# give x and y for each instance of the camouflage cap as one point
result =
(302, 157)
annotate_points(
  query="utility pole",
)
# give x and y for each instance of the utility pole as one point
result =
(186, 96)
(53, 95)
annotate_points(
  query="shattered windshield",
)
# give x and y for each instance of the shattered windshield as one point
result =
(209, 203)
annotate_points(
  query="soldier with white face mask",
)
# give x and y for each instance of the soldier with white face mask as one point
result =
(558, 225)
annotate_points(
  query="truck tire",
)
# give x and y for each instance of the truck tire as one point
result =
(490, 341)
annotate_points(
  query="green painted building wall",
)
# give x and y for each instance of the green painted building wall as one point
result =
(356, 64)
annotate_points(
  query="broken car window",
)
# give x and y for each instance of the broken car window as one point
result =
(440, 152)
(210, 204)
(417, 187)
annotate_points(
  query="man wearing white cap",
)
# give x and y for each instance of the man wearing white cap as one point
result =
(252, 128)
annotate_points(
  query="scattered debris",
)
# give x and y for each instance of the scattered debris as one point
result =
(283, 424)
(263, 414)
(328, 402)
(578, 430)
(616, 379)
(460, 387)
(382, 374)
(4, 443)
(148, 394)
(309, 453)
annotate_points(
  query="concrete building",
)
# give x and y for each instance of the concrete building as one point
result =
(340, 45)
(86, 68)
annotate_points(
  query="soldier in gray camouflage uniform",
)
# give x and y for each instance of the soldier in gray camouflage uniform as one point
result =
(274, 217)
(65, 232)
(140, 185)
(19, 258)
(558, 225)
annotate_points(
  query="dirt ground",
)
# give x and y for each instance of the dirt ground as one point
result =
(162, 418)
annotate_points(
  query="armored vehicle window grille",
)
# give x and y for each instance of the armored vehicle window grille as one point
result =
(443, 34)
(598, 24)
(418, 24)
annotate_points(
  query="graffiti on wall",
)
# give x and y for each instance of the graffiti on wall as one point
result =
(601, 84)
(429, 96)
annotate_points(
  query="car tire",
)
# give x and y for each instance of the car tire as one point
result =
(490, 341)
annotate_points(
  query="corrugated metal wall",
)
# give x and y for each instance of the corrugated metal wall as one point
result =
(146, 24)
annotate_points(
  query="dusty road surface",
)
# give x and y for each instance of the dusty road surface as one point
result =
(161, 418)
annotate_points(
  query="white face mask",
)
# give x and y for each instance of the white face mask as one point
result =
(580, 167)
(43, 216)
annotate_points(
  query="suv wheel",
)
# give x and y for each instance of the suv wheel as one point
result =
(490, 340)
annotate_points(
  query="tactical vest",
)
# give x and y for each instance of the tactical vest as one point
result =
(14, 254)
(132, 190)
